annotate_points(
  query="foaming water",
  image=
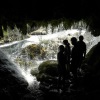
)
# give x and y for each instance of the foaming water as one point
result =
(53, 41)
(32, 81)
(20, 73)
(6, 63)
(39, 38)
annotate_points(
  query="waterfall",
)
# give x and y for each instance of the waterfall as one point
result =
(6, 63)
(50, 42)
(11, 51)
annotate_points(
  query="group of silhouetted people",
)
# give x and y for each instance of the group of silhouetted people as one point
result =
(69, 60)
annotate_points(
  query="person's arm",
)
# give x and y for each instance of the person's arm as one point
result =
(84, 50)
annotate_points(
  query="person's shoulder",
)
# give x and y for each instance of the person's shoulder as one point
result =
(84, 43)
(68, 44)
(78, 42)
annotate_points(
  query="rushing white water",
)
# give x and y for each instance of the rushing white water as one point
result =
(58, 37)
(39, 38)
(6, 63)
(53, 40)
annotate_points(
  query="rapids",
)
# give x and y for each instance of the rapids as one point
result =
(13, 49)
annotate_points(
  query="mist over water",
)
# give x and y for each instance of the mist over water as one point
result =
(50, 41)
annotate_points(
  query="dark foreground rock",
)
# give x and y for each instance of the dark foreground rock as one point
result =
(13, 86)
(91, 67)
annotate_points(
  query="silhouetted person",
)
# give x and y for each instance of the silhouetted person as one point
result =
(81, 50)
(67, 53)
(61, 67)
(74, 59)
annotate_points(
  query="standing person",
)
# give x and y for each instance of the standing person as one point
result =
(67, 53)
(74, 58)
(81, 49)
(61, 67)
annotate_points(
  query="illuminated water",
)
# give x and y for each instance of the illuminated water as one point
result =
(12, 50)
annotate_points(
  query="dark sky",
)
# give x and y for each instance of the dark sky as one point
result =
(45, 9)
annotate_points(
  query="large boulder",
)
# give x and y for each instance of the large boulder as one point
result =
(91, 67)
(92, 60)
(48, 73)
(13, 86)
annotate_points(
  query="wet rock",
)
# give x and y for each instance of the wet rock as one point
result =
(12, 84)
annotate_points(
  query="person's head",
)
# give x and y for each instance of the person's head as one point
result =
(81, 38)
(73, 40)
(61, 48)
(65, 42)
